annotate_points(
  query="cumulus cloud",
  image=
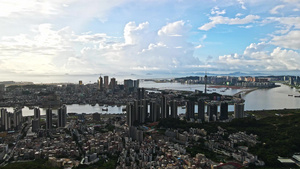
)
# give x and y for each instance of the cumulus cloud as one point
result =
(215, 20)
(290, 40)
(217, 11)
(256, 58)
(61, 51)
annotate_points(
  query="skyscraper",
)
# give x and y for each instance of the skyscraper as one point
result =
(144, 111)
(164, 107)
(136, 83)
(5, 119)
(106, 82)
(154, 111)
(37, 116)
(130, 114)
(48, 119)
(35, 125)
(190, 110)
(8, 121)
(239, 110)
(141, 93)
(113, 83)
(224, 111)
(174, 111)
(128, 83)
(17, 117)
(205, 81)
(62, 116)
(201, 110)
(291, 80)
(212, 110)
(100, 83)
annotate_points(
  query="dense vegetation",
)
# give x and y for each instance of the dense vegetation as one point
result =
(37, 164)
(279, 135)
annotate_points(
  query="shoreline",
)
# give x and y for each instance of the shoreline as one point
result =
(225, 86)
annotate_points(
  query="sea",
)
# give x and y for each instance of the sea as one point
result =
(261, 99)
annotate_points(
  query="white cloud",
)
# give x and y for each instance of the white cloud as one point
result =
(199, 46)
(239, 14)
(242, 3)
(246, 27)
(230, 21)
(276, 8)
(10, 8)
(173, 29)
(286, 24)
(255, 57)
(286, 21)
(290, 40)
(132, 32)
(217, 11)
(61, 51)
(253, 48)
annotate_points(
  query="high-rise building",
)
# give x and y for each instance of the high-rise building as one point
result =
(190, 110)
(106, 82)
(8, 121)
(5, 119)
(113, 83)
(37, 116)
(128, 84)
(48, 119)
(201, 110)
(164, 107)
(62, 116)
(136, 83)
(144, 111)
(80, 82)
(17, 118)
(37, 113)
(35, 125)
(130, 114)
(239, 110)
(205, 81)
(224, 111)
(137, 109)
(100, 83)
(2, 88)
(174, 111)
(154, 111)
(96, 117)
(291, 80)
(212, 111)
(141, 93)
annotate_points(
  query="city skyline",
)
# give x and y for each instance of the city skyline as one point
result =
(149, 37)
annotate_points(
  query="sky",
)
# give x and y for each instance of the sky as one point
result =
(77, 37)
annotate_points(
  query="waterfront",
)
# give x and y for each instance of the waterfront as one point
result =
(260, 99)
(189, 87)
(274, 98)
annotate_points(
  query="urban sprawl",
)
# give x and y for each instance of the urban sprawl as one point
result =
(142, 136)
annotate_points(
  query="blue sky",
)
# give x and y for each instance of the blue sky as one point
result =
(149, 36)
